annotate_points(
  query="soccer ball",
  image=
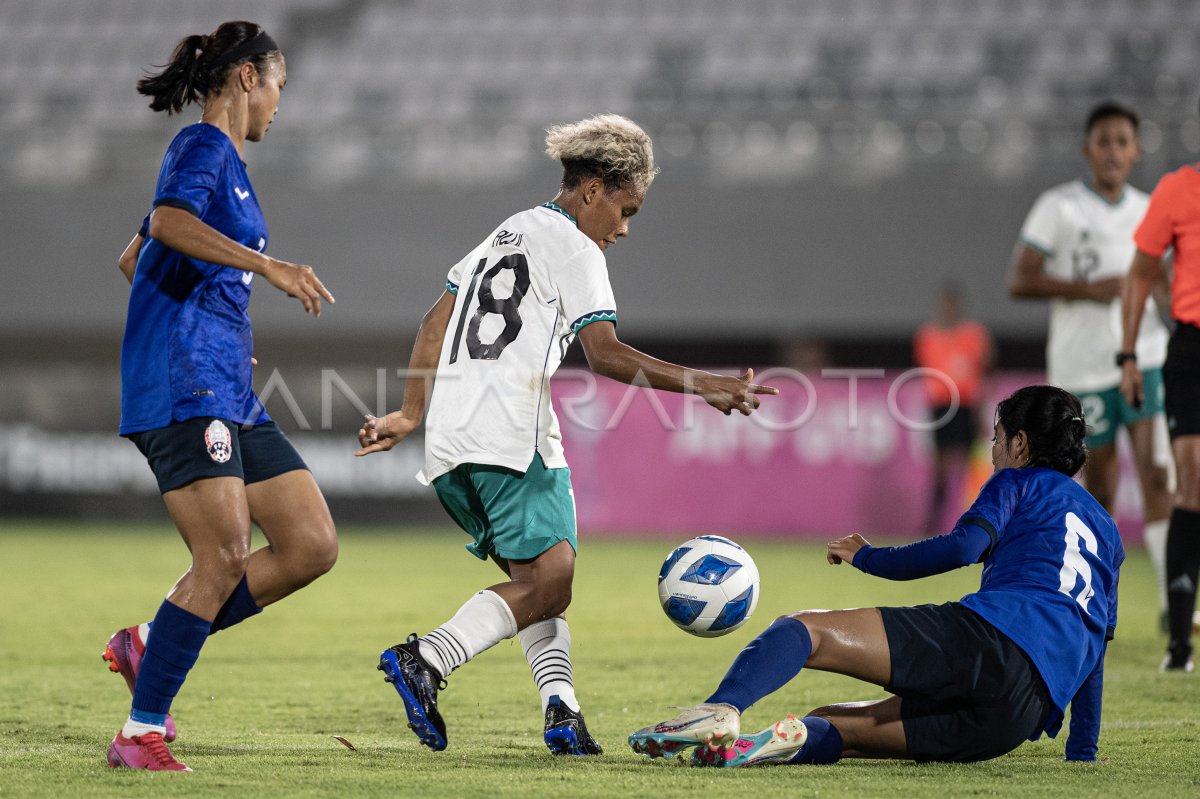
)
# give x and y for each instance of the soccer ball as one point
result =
(708, 586)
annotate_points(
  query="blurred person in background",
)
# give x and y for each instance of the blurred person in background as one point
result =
(1075, 249)
(1172, 222)
(960, 351)
(187, 399)
(493, 448)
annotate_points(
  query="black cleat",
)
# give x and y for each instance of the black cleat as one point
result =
(418, 684)
(566, 732)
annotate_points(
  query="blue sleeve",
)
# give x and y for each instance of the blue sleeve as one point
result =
(1083, 740)
(1111, 632)
(195, 170)
(967, 543)
(144, 230)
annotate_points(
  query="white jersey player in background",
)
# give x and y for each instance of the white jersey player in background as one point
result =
(493, 447)
(1075, 250)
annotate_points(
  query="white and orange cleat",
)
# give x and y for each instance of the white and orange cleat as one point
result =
(712, 725)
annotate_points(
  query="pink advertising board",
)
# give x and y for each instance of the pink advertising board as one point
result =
(840, 452)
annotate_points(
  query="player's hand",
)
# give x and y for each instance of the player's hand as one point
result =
(1107, 289)
(381, 434)
(299, 281)
(844, 549)
(728, 394)
(1132, 387)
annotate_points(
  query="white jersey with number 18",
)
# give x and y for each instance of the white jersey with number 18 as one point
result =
(522, 296)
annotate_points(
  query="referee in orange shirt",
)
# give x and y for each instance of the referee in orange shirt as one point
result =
(1172, 221)
(961, 351)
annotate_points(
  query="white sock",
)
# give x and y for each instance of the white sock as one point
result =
(1155, 537)
(484, 621)
(547, 647)
(144, 632)
(133, 728)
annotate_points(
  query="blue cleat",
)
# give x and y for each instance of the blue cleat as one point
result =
(418, 684)
(566, 732)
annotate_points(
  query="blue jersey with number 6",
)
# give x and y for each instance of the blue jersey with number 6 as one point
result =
(1050, 576)
(187, 342)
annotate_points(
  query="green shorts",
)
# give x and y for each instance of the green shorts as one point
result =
(515, 516)
(1107, 411)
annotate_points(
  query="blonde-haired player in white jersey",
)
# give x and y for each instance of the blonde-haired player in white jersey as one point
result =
(493, 447)
(1075, 249)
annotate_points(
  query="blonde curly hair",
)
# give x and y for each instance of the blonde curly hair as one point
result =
(607, 146)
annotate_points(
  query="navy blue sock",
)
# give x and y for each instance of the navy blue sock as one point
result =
(824, 744)
(766, 664)
(170, 655)
(239, 607)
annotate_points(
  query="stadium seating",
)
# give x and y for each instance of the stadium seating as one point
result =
(379, 87)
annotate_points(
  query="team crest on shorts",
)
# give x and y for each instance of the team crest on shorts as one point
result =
(218, 442)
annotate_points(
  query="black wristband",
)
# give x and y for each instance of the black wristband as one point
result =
(1122, 357)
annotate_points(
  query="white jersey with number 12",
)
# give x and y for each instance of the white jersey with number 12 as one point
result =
(1086, 238)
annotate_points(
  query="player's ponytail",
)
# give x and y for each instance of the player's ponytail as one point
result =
(199, 64)
(1054, 423)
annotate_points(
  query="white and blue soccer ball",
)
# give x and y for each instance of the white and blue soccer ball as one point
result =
(708, 586)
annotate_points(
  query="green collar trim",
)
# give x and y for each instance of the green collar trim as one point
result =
(1087, 184)
(553, 206)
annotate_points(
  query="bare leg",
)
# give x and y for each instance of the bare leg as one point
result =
(869, 729)
(1153, 476)
(1100, 474)
(850, 642)
(1155, 479)
(301, 538)
(540, 588)
(214, 520)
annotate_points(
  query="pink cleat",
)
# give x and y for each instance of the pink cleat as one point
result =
(124, 655)
(142, 751)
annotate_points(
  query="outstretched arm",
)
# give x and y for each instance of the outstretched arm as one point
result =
(610, 357)
(380, 434)
(185, 233)
(962, 546)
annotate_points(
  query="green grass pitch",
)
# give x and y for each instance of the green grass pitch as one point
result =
(258, 713)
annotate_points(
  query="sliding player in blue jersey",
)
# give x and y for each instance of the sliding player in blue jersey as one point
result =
(187, 399)
(970, 680)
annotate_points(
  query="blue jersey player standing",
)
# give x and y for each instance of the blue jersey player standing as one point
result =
(187, 399)
(970, 680)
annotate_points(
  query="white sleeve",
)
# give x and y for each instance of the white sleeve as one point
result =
(1041, 226)
(584, 293)
(454, 277)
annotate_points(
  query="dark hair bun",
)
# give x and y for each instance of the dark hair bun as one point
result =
(1054, 423)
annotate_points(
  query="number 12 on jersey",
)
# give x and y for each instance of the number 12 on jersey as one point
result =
(506, 307)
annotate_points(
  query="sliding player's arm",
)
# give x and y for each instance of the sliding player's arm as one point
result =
(381, 434)
(610, 357)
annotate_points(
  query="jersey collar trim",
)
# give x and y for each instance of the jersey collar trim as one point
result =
(553, 206)
(1087, 184)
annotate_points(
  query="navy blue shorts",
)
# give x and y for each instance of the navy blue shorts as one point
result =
(967, 691)
(183, 452)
